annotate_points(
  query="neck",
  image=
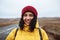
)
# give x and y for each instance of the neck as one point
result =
(26, 27)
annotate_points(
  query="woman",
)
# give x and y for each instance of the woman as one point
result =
(28, 27)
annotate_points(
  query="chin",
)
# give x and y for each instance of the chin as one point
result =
(27, 24)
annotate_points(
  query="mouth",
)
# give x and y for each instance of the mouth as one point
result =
(27, 22)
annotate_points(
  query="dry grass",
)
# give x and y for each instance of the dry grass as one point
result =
(5, 22)
(52, 27)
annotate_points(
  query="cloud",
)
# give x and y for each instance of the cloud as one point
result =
(45, 8)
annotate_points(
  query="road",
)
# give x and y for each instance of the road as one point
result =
(4, 31)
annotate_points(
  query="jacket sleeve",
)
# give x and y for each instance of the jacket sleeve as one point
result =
(44, 35)
(11, 35)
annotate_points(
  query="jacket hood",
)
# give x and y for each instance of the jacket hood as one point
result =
(26, 27)
(37, 24)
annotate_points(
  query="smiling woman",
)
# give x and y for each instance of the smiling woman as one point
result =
(28, 27)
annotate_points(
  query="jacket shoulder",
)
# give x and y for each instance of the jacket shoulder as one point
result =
(44, 34)
(11, 34)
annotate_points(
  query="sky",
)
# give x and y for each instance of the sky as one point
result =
(45, 8)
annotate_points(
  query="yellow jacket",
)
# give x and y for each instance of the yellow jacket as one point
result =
(26, 35)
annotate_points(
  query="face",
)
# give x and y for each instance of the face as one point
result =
(27, 17)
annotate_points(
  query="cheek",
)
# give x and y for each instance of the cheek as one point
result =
(32, 17)
(23, 18)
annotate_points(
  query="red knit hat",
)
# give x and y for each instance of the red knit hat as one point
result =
(29, 8)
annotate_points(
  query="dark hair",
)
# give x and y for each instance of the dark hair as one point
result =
(32, 25)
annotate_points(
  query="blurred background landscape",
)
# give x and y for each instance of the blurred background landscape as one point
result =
(50, 24)
(48, 16)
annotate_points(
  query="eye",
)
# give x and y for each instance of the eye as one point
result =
(31, 15)
(25, 14)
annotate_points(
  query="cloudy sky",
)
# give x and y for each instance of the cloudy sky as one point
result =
(45, 8)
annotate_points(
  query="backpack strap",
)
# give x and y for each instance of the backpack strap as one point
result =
(40, 34)
(15, 33)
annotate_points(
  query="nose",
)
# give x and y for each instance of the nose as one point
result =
(28, 17)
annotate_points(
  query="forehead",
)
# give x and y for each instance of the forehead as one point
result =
(28, 13)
